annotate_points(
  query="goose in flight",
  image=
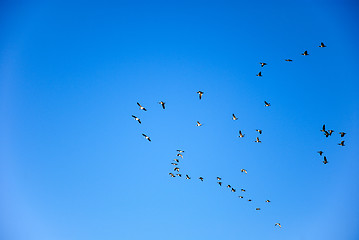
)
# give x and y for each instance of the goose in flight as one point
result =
(233, 190)
(249, 200)
(278, 224)
(342, 134)
(142, 108)
(326, 134)
(341, 143)
(201, 178)
(330, 132)
(259, 74)
(262, 64)
(258, 209)
(200, 93)
(137, 119)
(176, 169)
(199, 124)
(257, 140)
(176, 160)
(266, 104)
(320, 153)
(305, 53)
(243, 190)
(234, 117)
(259, 131)
(171, 174)
(229, 186)
(325, 161)
(243, 170)
(267, 201)
(220, 183)
(178, 174)
(240, 134)
(163, 104)
(148, 138)
(187, 177)
(240, 196)
(175, 164)
(179, 155)
(288, 60)
(180, 151)
(322, 45)
(219, 179)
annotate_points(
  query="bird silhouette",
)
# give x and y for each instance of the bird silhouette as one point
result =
(180, 151)
(179, 155)
(199, 124)
(322, 45)
(142, 108)
(278, 224)
(259, 74)
(320, 153)
(218, 178)
(200, 93)
(220, 183)
(267, 104)
(137, 119)
(288, 60)
(229, 186)
(234, 117)
(342, 134)
(325, 161)
(176, 169)
(305, 53)
(262, 64)
(257, 140)
(258, 209)
(243, 170)
(233, 190)
(259, 131)
(148, 138)
(163, 104)
(267, 201)
(243, 190)
(341, 143)
(171, 174)
(187, 177)
(240, 134)
(323, 128)
(178, 174)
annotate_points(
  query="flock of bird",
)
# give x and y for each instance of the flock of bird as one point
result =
(176, 169)
(327, 134)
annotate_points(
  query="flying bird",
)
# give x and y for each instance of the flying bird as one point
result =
(266, 104)
(305, 53)
(257, 140)
(234, 117)
(171, 174)
(288, 60)
(175, 164)
(201, 178)
(148, 138)
(259, 131)
(137, 119)
(249, 200)
(219, 179)
(258, 209)
(341, 143)
(267, 201)
(200, 94)
(322, 45)
(142, 108)
(176, 169)
(243, 190)
(243, 170)
(326, 134)
(325, 160)
(199, 124)
(278, 224)
(240, 134)
(330, 132)
(233, 190)
(262, 64)
(320, 153)
(187, 177)
(259, 74)
(163, 104)
(229, 186)
(180, 151)
(220, 183)
(178, 174)
(179, 155)
(176, 160)
(240, 196)
(342, 134)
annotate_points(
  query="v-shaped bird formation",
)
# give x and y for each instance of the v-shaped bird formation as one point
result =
(218, 180)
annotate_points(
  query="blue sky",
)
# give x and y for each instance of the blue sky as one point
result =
(73, 162)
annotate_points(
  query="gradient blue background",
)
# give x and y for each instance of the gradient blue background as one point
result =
(73, 162)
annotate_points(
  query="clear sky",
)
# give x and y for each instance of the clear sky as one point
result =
(74, 164)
